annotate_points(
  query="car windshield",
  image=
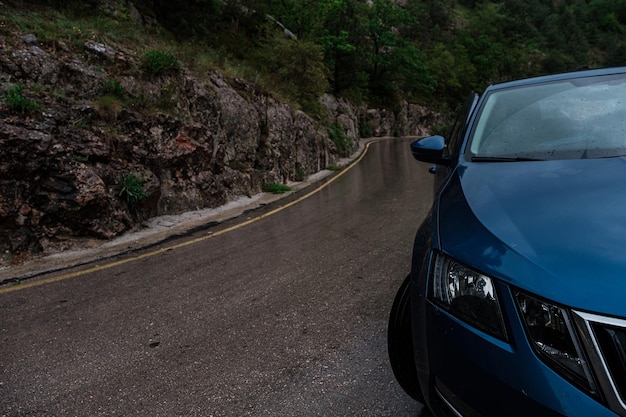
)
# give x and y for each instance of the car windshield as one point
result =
(570, 119)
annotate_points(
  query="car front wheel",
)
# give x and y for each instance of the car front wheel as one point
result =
(400, 342)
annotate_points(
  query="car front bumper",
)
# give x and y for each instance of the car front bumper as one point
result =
(465, 372)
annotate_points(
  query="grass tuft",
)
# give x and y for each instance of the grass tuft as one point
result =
(158, 62)
(276, 188)
(17, 103)
(132, 188)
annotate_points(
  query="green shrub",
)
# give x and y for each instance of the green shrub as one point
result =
(159, 62)
(276, 188)
(17, 103)
(365, 130)
(339, 138)
(114, 88)
(297, 69)
(132, 188)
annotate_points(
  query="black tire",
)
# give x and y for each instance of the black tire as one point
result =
(400, 343)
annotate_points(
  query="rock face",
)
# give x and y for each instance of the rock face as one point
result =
(86, 163)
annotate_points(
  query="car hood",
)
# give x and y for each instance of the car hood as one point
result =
(554, 228)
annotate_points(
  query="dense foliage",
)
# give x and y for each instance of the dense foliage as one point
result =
(381, 51)
(426, 50)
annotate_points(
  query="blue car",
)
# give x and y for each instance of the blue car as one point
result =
(516, 300)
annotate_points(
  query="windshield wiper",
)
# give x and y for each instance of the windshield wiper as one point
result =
(503, 159)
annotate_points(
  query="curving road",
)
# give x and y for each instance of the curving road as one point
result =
(285, 316)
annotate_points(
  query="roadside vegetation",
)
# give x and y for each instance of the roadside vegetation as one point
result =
(132, 188)
(430, 52)
(276, 188)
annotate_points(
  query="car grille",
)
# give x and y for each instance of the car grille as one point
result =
(612, 343)
(605, 342)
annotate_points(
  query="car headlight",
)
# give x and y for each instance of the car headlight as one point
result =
(552, 336)
(468, 295)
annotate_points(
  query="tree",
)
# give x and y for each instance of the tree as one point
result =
(495, 53)
(298, 68)
(343, 36)
(396, 64)
(452, 71)
(299, 16)
(432, 20)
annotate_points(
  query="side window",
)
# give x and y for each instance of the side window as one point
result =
(458, 129)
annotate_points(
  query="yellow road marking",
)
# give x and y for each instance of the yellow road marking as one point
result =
(187, 242)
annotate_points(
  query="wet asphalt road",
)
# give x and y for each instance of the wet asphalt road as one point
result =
(286, 316)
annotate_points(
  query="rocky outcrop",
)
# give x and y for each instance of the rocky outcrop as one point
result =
(86, 162)
(361, 121)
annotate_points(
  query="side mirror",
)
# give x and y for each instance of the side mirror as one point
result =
(430, 149)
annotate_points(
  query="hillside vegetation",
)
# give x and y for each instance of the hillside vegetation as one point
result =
(376, 51)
